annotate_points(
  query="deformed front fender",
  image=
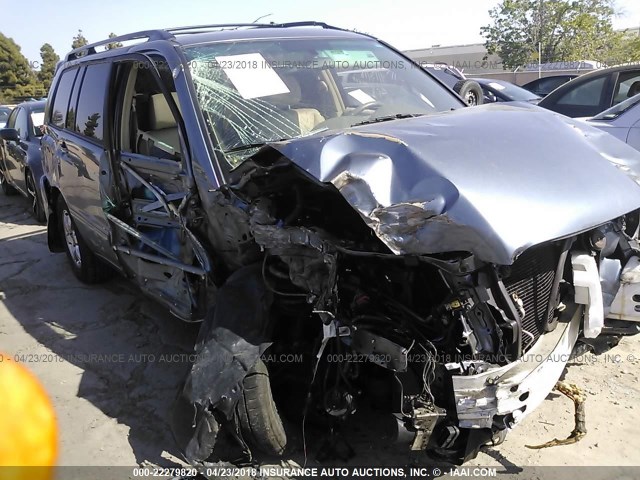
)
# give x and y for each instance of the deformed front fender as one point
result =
(232, 338)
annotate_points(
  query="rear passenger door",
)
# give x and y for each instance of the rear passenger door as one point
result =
(78, 128)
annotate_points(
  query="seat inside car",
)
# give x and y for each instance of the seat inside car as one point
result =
(158, 136)
(290, 104)
(634, 89)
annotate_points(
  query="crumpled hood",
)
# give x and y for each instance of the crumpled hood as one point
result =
(492, 180)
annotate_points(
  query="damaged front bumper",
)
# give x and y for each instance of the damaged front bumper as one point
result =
(505, 395)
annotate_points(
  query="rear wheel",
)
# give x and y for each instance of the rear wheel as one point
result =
(7, 189)
(36, 203)
(86, 266)
(260, 421)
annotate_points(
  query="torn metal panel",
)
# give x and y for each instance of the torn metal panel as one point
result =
(231, 340)
(516, 389)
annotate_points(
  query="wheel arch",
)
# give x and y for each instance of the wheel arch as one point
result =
(54, 237)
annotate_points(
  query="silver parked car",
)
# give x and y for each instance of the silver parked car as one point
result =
(622, 121)
(308, 193)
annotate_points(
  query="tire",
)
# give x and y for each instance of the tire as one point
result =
(86, 266)
(470, 91)
(7, 189)
(260, 423)
(34, 197)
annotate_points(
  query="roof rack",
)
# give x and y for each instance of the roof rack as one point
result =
(170, 33)
(90, 49)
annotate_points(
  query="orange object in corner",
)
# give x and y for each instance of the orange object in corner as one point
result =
(28, 430)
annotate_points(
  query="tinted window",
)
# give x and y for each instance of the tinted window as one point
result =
(588, 94)
(90, 113)
(61, 100)
(22, 123)
(552, 83)
(627, 86)
(73, 101)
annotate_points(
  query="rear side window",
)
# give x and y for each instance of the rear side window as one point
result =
(61, 100)
(21, 123)
(628, 85)
(89, 118)
(588, 94)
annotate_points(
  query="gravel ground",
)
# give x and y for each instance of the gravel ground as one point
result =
(111, 362)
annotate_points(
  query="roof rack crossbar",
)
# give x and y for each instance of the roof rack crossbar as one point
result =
(168, 34)
(90, 48)
(214, 25)
(306, 23)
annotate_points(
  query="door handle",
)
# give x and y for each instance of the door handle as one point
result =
(63, 145)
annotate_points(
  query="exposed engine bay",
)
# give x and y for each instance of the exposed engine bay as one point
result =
(340, 321)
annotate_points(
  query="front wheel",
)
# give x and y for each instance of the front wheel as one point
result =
(260, 421)
(86, 266)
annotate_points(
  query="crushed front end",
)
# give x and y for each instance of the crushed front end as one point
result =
(453, 348)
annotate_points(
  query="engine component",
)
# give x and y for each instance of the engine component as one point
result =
(381, 351)
(425, 420)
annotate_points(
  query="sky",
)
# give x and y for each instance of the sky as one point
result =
(406, 24)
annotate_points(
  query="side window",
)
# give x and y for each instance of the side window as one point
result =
(89, 118)
(149, 126)
(22, 124)
(549, 84)
(588, 94)
(627, 86)
(61, 99)
(70, 122)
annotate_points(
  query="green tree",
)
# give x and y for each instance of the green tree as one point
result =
(48, 67)
(111, 46)
(91, 125)
(566, 30)
(623, 48)
(17, 79)
(79, 40)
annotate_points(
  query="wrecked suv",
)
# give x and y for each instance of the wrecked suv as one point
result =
(350, 235)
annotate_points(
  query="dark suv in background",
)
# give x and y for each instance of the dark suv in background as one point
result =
(310, 193)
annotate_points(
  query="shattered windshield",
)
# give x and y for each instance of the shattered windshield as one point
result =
(254, 92)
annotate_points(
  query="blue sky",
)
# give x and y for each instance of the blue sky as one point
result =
(405, 24)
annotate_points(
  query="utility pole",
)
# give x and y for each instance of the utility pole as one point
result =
(540, 40)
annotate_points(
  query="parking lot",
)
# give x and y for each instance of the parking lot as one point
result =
(111, 362)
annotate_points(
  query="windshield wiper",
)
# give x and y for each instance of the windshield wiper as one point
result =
(386, 118)
(249, 146)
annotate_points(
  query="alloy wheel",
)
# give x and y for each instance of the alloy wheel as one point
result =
(71, 238)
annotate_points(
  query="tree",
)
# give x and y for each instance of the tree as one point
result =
(111, 46)
(91, 125)
(79, 40)
(17, 79)
(566, 30)
(48, 68)
(623, 48)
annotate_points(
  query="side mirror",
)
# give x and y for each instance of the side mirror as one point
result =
(9, 134)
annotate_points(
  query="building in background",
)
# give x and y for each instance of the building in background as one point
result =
(470, 59)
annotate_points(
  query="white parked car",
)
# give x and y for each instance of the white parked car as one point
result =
(622, 121)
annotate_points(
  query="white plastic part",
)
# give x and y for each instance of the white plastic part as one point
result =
(625, 305)
(586, 282)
